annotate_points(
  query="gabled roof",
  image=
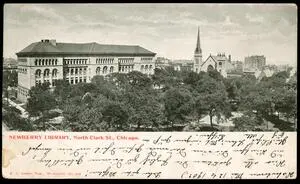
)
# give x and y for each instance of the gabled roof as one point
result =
(45, 48)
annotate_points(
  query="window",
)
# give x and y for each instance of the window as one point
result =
(142, 67)
(35, 62)
(43, 62)
(54, 72)
(111, 69)
(105, 70)
(46, 73)
(72, 71)
(98, 70)
(76, 71)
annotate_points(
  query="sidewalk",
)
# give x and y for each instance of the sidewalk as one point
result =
(18, 106)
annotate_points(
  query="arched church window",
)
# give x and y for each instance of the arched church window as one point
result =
(210, 68)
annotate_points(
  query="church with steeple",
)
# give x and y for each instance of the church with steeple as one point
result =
(219, 62)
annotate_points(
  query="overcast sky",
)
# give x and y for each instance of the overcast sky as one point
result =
(170, 30)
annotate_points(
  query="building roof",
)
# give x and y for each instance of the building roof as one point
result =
(220, 58)
(45, 48)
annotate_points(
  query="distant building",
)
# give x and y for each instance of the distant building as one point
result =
(217, 62)
(162, 62)
(48, 61)
(255, 62)
(10, 64)
(237, 66)
(183, 65)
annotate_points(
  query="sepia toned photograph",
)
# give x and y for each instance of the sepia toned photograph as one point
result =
(149, 67)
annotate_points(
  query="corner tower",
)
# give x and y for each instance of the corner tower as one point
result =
(198, 54)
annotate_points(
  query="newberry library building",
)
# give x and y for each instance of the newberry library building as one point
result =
(48, 61)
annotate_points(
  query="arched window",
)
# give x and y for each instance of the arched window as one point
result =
(38, 73)
(76, 71)
(43, 62)
(54, 72)
(72, 71)
(210, 68)
(150, 67)
(52, 61)
(35, 62)
(46, 61)
(104, 70)
(46, 73)
(146, 68)
(39, 61)
(142, 68)
(98, 70)
(111, 69)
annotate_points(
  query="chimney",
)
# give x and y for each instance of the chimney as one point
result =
(53, 42)
(229, 58)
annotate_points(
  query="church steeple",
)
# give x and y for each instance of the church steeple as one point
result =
(198, 47)
(198, 54)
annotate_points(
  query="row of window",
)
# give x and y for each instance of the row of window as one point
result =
(22, 70)
(45, 62)
(46, 73)
(126, 68)
(75, 80)
(125, 60)
(75, 61)
(22, 91)
(104, 70)
(104, 60)
(22, 60)
(146, 68)
(146, 59)
(76, 71)
(39, 81)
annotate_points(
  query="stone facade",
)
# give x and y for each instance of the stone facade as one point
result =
(39, 66)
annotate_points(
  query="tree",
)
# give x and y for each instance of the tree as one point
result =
(212, 98)
(139, 80)
(177, 104)
(116, 115)
(40, 100)
(62, 91)
(247, 122)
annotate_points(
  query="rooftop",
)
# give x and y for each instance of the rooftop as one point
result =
(46, 47)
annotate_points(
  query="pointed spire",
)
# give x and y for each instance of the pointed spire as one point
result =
(198, 47)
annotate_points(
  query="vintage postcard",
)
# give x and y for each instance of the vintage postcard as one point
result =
(149, 91)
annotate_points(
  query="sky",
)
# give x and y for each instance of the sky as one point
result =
(170, 30)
